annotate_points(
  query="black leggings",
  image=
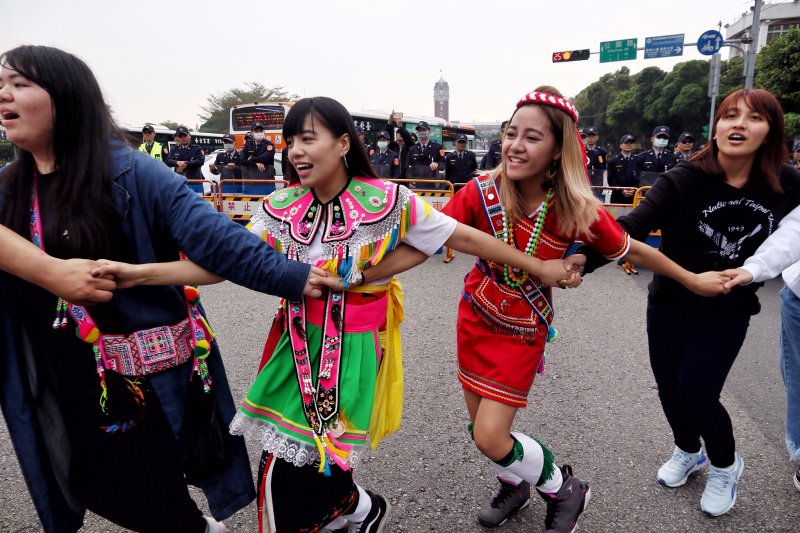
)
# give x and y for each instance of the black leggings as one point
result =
(133, 479)
(691, 357)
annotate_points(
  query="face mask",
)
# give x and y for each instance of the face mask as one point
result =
(661, 143)
(258, 137)
(383, 144)
(228, 147)
(422, 135)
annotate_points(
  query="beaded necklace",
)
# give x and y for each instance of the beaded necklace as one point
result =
(511, 279)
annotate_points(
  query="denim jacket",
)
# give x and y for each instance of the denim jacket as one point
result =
(160, 217)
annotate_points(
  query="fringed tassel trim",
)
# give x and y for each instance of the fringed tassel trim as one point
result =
(549, 464)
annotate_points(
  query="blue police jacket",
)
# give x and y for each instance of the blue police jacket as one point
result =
(193, 155)
(160, 217)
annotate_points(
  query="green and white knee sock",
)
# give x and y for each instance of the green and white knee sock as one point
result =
(531, 461)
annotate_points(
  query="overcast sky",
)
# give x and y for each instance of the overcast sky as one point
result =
(160, 60)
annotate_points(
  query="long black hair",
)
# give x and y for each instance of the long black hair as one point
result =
(81, 137)
(336, 118)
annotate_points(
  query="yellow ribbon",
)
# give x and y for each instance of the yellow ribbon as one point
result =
(387, 409)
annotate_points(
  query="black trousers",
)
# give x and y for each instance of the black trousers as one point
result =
(691, 356)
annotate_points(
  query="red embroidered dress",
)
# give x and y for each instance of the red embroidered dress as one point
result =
(501, 337)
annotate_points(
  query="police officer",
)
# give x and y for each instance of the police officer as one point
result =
(363, 138)
(492, 157)
(258, 161)
(226, 165)
(425, 158)
(683, 150)
(461, 163)
(597, 159)
(187, 158)
(622, 172)
(385, 162)
(150, 146)
(650, 163)
(402, 140)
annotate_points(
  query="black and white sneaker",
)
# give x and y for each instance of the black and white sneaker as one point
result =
(797, 477)
(376, 517)
(510, 499)
(564, 508)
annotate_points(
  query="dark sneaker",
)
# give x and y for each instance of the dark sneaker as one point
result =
(797, 477)
(564, 508)
(509, 500)
(376, 517)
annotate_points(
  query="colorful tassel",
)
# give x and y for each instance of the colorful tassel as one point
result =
(552, 334)
(87, 332)
(192, 294)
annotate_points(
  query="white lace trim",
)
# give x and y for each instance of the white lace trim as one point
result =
(281, 445)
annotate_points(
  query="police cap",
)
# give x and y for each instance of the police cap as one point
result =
(590, 130)
(228, 137)
(359, 130)
(255, 125)
(148, 128)
(422, 125)
(461, 138)
(796, 147)
(182, 130)
(626, 137)
(685, 135)
(384, 134)
(661, 130)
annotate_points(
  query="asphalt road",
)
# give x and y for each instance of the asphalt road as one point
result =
(596, 406)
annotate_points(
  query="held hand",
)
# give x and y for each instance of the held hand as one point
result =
(74, 280)
(212, 167)
(554, 272)
(314, 282)
(181, 164)
(574, 280)
(260, 167)
(575, 263)
(434, 166)
(628, 192)
(231, 166)
(125, 275)
(709, 284)
(738, 276)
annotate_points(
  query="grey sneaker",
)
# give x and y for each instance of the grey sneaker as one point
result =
(676, 471)
(509, 500)
(564, 508)
(720, 494)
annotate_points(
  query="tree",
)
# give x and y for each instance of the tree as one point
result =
(778, 69)
(170, 125)
(593, 101)
(217, 112)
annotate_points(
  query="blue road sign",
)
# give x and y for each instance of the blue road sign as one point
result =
(710, 42)
(663, 46)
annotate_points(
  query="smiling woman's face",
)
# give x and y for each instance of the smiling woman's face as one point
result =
(27, 112)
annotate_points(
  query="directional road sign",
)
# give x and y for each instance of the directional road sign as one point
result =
(663, 46)
(710, 42)
(622, 50)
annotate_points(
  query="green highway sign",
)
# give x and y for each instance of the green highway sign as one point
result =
(622, 50)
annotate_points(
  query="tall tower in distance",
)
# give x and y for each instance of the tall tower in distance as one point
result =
(441, 99)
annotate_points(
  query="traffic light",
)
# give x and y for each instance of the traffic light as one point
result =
(571, 55)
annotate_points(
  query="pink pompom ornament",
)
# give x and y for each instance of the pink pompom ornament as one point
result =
(87, 332)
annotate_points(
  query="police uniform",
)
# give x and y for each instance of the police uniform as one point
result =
(596, 164)
(221, 161)
(678, 154)
(622, 173)
(154, 149)
(385, 164)
(492, 157)
(258, 152)
(460, 166)
(420, 157)
(193, 155)
(649, 165)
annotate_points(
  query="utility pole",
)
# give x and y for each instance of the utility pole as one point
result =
(713, 89)
(752, 49)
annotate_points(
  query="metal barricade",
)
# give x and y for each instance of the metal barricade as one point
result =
(212, 198)
(436, 196)
(240, 206)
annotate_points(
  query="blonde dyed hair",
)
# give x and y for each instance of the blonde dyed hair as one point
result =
(576, 206)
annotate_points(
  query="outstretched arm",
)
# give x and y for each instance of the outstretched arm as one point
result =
(70, 279)
(179, 273)
(705, 284)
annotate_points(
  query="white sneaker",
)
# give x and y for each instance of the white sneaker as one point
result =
(214, 526)
(675, 472)
(720, 493)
